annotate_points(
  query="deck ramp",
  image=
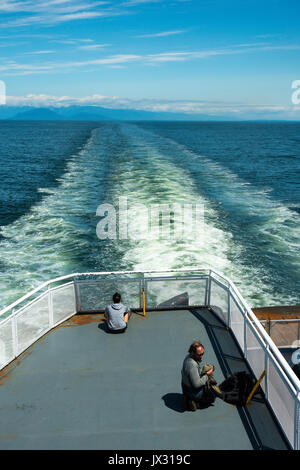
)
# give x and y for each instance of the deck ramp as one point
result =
(80, 387)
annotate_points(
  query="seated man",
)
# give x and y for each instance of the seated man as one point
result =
(117, 315)
(197, 385)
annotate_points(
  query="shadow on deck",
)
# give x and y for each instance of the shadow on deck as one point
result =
(80, 387)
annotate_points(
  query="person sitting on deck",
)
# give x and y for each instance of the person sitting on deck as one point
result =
(117, 315)
(197, 385)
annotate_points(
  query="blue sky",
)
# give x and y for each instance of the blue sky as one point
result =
(217, 57)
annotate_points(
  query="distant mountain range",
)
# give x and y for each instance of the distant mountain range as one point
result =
(95, 113)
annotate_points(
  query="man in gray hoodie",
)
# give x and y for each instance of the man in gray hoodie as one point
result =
(117, 315)
(193, 378)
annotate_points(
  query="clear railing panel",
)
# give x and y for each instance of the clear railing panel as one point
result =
(255, 352)
(64, 302)
(95, 295)
(219, 300)
(237, 322)
(36, 318)
(32, 322)
(6, 343)
(282, 400)
(175, 292)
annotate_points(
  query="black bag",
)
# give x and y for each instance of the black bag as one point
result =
(237, 387)
(296, 369)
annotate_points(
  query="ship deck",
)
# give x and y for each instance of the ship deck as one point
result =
(80, 387)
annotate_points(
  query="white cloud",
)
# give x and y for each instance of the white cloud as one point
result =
(162, 34)
(70, 8)
(57, 6)
(9, 6)
(85, 40)
(149, 59)
(71, 41)
(238, 49)
(52, 19)
(14, 68)
(92, 47)
(132, 3)
(64, 41)
(169, 57)
(53, 12)
(39, 52)
(76, 16)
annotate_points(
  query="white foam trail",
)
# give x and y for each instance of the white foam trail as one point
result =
(151, 176)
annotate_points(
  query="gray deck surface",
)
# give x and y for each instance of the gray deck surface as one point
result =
(80, 387)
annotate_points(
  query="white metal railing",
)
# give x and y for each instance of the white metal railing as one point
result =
(281, 385)
(36, 313)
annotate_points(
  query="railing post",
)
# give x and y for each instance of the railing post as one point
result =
(14, 334)
(245, 333)
(229, 312)
(267, 371)
(209, 288)
(77, 296)
(144, 289)
(206, 293)
(50, 307)
(269, 326)
(141, 286)
(296, 423)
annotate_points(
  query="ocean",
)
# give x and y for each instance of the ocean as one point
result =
(245, 175)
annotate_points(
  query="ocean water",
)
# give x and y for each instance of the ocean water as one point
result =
(54, 175)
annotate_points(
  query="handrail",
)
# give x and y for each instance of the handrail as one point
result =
(100, 273)
(29, 294)
(264, 334)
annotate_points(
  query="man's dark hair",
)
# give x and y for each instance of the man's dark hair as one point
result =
(116, 298)
(194, 346)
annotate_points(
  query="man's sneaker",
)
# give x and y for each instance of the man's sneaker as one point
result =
(192, 405)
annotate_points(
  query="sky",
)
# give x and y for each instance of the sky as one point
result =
(232, 58)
